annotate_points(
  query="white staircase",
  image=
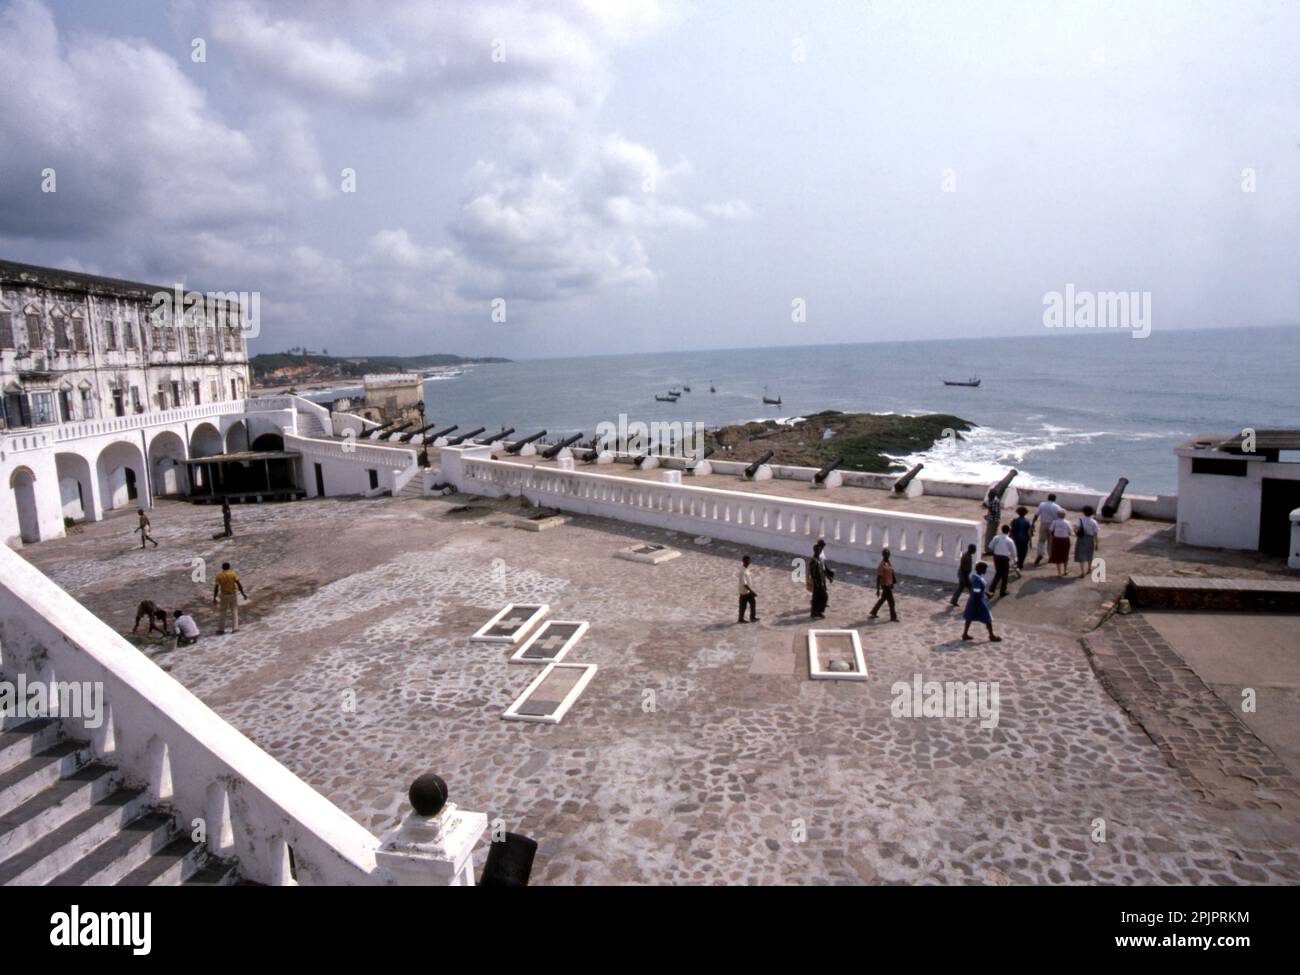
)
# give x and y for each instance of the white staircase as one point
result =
(310, 425)
(69, 820)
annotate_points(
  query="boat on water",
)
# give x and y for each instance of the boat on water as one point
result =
(670, 398)
(686, 389)
(712, 388)
(768, 400)
(973, 381)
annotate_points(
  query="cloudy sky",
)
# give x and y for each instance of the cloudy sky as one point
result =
(645, 176)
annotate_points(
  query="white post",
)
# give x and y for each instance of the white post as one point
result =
(1294, 560)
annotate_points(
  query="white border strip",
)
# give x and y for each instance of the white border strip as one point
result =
(518, 656)
(540, 610)
(512, 712)
(814, 669)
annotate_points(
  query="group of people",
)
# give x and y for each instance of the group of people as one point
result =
(818, 577)
(1053, 528)
(1007, 544)
(144, 524)
(226, 591)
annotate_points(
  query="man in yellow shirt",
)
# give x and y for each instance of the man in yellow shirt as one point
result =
(229, 588)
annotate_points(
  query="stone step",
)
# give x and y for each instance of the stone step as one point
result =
(23, 740)
(217, 873)
(57, 851)
(171, 866)
(121, 853)
(41, 771)
(51, 808)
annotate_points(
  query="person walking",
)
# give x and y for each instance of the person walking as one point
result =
(977, 606)
(885, 581)
(225, 517)
(820, 577)
(1004, 550)
(1047, 513)
(143, 528)
(1022, 529)
(187, 631)
(964, 569)
(1085, 541)
(229, 588)
(1060, 555)
(992, 519)
(748, 598)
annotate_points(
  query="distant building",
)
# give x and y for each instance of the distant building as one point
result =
(79, 347)
(390, 396)
(1239, 491)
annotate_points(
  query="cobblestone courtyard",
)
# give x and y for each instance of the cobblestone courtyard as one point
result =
(701, 752)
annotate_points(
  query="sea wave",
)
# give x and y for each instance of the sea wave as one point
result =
(983, 454)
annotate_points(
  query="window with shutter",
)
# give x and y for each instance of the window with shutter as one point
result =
(6, 330)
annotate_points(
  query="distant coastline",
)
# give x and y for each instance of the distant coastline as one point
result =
(277, 371)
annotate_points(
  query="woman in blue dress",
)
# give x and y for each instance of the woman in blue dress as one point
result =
(977, 606)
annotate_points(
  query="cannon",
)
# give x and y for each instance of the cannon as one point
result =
(690, 468)
(550, 453)
(500, 435)
(901, 484)
(825, 472)
(752, 469)
(442, 433)
(638, 461)
(403, 425)
(457, 441)
(1000, 488)
(518, 445)
(411, 434)
(1110, 507)
(382, 429)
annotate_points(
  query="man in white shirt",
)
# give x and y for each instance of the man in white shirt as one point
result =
(187, 631)
(747, 595)
(1003, 548)
(1047, 513)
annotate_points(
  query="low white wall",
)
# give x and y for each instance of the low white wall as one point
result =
(1221, 510)
(46, 634)
(920, 545)
(345, 466)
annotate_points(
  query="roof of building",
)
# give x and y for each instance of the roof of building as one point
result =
(14, 273)
(1265, 441)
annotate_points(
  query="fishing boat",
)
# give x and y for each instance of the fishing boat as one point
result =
(712, 389)
(768, 400)
(670, 398)
(686, 389)
(973, 381)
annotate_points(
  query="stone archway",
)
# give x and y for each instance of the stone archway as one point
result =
(121, 475)
(76, 488)
(167, 465)
(237, 438)
(23, 484)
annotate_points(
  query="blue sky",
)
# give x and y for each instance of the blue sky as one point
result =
(642, 176)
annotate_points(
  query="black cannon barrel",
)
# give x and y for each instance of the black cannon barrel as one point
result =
(410, 434)
(1110, 506)
(752, 469)
(825, 472)
(518, 445)
(901, 484)
(591, 456)
(380, 430)
(500, 435)
(1000, 488)
(457, 441)
(550, 453)
(641, 460)
(442, 433)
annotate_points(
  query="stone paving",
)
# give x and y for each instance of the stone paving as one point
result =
(701, 752)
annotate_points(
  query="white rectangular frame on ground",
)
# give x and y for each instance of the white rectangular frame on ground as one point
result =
(513, 712)
(485, 634)
(815, 671)
(520, 656)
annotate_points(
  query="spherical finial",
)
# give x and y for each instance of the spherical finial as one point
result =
(428, 794)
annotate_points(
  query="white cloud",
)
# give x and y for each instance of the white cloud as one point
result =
(730, 210)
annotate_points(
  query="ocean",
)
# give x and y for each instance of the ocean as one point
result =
(1074, 409)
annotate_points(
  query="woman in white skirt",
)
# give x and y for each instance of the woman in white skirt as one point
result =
(1085, 540)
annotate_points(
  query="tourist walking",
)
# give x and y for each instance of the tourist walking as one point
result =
(748, 598)
(1022, 529)
(977, 606)
(964, 569)
(820, 576)
(1004, 550)
(885, 581)
(1047, 513)
(229, 588)
(994, 518)
(225, 516)
(187, 631)
(1060, 555)
(143, 528)
(1085, 542)
(157, 618)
